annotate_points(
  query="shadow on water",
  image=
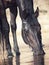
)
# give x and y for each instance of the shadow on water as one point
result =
(39, 60)
(17, 60)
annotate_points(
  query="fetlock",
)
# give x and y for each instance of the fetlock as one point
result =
(9, 53)
(17, 51)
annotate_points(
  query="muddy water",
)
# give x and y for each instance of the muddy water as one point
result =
(26, 57)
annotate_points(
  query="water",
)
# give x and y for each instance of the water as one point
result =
(26, 58)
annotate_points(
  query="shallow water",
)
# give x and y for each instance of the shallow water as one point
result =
(26, 58)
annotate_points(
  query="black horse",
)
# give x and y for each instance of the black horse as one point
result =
(31, 29)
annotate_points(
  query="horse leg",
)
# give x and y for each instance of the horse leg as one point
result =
(0, 29)
(13, 14)
(5, 31)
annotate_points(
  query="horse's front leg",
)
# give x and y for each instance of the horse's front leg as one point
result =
(13, 14)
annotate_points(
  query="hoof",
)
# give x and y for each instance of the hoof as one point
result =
(17, 53)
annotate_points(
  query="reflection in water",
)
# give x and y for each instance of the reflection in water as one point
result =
(14, 60)
(17, 60)
(39, 60)
(10, 61)
(7, 62)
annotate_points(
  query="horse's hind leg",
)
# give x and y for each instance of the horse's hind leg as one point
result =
(5, 32)
(13, 14)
